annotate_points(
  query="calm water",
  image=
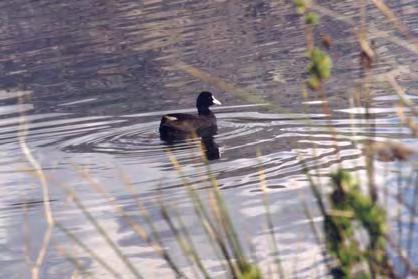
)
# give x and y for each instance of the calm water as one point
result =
(96, 77)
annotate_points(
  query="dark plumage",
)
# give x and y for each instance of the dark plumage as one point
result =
(179, 126)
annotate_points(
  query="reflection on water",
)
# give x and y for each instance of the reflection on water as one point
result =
(94, 79)
(211, 149)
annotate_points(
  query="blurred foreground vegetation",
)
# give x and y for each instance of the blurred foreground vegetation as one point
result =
(357, 238)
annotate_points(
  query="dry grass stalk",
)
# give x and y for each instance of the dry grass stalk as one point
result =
(189, 245)
(213, 233)
(155, 240)
(403, 256)
(270, 225)
(179, 235)
(22, 136)
(138, 229)
(407, 121)
(391, 16)
(307, 211)
(404, 100)
(318, 236)
(367, 57)
(102, 232)
(89, 251)
(26, 236)
(375, 33)
(80, 271)
(390, 151)
(412, 223)
(223, 217)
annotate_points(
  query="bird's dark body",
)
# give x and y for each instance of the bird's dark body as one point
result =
(186, 126)
(180, 126)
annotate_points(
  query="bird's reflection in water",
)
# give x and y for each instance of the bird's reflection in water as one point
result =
(207, 139)
(211, 149)
(209, 145)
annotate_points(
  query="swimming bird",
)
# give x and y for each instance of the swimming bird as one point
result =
(179, 126)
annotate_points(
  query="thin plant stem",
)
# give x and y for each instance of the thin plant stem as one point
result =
(270, 225)
(403, 98)
(189, 241)
(410, 46)
(224, 216)
(315, 230)
(26, 236)
(89, 251)
(159, 246)
(139, 231)
(411, 227)
(391, 16)
(399, 189)
(75, 262)
(183, 244)
(102, 232)
(403, 256)
(210, 229)
(314, 151)
(22, 136)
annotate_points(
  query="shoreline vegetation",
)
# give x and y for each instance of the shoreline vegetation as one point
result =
(357, 237)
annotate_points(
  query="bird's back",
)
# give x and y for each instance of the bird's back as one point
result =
(178, 126)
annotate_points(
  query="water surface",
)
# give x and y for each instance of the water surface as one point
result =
(93, 78)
